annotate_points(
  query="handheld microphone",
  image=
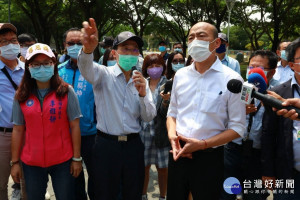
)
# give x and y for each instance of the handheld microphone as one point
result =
(236, 86)
(133, 72)
(258, 81)
(168, 86)
(260, 72)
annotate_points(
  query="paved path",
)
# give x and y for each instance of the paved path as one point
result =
(153, 191)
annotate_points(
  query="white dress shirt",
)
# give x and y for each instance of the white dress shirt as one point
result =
(119, 108)
(202, 104)
(283, 74)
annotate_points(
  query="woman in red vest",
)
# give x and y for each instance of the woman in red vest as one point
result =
(46, 133)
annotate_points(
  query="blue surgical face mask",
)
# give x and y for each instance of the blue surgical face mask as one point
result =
(162, 48)
(221, 49)
(111, 63)
(102, 50)
(74, 50)
(283, 55)
(42, 74)
(176, 67)
(10, 51)
(178, 50)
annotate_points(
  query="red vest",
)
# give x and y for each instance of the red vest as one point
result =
(47, 140)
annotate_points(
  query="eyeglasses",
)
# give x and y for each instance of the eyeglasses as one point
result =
(128, 51)
(176, 61)
(261, 67)
(7, 42)
(73, 43)
(36, 65)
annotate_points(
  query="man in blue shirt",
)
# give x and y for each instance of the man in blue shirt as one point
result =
(122, 99)
(162, 47)
(242, 155)
(84, 90)
(12, 70)
(225, 59)
(283, 70)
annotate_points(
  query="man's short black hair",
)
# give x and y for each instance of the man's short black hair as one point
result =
(177, 43)
(26, 37)
(162, 42)
(6, 30)
(278, 46)
(66, 33)
(291, 49)
(271, 56)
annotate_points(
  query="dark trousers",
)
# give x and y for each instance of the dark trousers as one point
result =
(87, 143)
(37, 178)
(232, 166)
(118, 162)
(202, 175)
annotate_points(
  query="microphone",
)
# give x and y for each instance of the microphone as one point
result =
(258, 81)
(133, 72)
(168, 86)
(260, 72)
(236, 86)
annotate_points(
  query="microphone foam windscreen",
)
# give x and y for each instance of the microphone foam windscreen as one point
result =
(259, 82)
(234, 86)
(259, 71)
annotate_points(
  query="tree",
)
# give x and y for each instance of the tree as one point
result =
(42, 15)
(243, 17)
(283, 17)
(136, 13)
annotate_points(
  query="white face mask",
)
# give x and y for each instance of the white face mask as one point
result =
(199, 50)
(24, 51)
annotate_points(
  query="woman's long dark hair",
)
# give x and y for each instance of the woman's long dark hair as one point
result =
(170, 72)
(28, 85)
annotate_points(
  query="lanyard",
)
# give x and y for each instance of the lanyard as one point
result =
(251, 120)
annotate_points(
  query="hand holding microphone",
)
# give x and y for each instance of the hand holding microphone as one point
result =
(249, 91)
(139, 82)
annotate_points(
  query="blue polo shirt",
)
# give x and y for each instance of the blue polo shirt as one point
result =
(7, 92)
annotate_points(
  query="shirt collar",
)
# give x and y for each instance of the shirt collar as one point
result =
(71, 65)
(21, 65)
(294, 82)
(217, 66)
(226, 58)
(116, 70)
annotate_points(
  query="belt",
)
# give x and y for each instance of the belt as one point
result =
(119, 138)
(6, 130)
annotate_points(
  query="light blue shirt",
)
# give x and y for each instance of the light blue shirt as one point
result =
(7, 92)
(119, 108)
(283, 74)
(256, 128)
(296, 125)
(232, 63)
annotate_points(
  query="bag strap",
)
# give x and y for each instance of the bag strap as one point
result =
(4, 70)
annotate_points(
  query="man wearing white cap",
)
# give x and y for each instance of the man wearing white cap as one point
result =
(12, 70)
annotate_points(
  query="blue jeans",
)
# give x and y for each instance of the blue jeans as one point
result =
(36, 179)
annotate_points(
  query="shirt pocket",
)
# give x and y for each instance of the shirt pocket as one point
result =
(211, 103)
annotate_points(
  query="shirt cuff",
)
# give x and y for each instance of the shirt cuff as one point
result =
(239, 129)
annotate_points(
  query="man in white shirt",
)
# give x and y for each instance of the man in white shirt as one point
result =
(283, 70)
(202, 117)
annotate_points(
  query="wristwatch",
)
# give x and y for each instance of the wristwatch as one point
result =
(12, 163)
(77, 159)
